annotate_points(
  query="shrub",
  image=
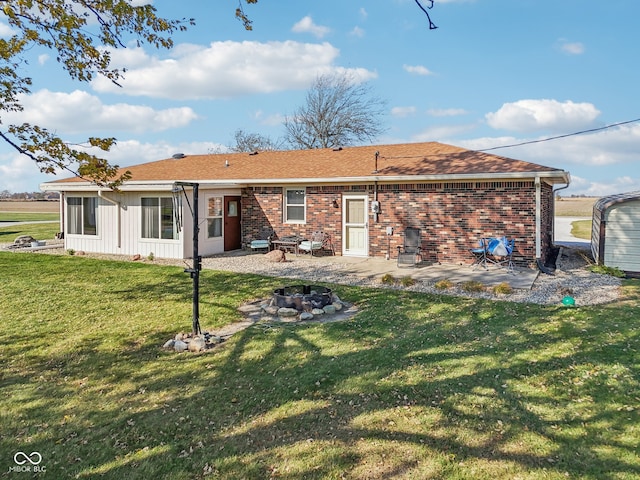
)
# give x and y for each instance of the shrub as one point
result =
(604, 270)
(472, 286)
(444, 284)
(150, 257)
(503, 289)
(388, 279)
(71, 251)
(407, 281)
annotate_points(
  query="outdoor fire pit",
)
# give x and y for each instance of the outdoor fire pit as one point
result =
(302, 297)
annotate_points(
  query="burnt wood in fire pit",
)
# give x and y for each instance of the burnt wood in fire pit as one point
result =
(302, 297)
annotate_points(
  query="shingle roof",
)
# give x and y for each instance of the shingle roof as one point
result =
(430, 159)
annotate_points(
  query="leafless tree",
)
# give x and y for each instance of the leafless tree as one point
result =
(253, 142)
(338, 112)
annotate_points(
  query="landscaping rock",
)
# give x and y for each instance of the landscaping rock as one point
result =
(197, 344)
(306, 316)
(329, 309)
(180, 346)
(337, 305)
(169, 345)
(317, 311)
(24, 240)
(270, 309)
(275, 256)
(287, 312)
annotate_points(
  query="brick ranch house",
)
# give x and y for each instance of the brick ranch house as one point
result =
(454, 195)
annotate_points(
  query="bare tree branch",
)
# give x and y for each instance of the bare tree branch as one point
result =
(338, 112)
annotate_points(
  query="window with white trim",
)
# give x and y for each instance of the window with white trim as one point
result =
(158, 219)
(214, 217)
(295, 205)
(82, 214)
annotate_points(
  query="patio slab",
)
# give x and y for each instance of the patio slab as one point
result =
(522, 278)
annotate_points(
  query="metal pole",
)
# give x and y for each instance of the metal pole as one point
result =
(197, 264)
(194, 272)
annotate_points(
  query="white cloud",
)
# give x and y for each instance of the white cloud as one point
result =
(363, 13)
(615, 146)
(79, 111)
(417, 70)
(273, 120)
(226, 69)
(608, 155)
(583, 186)
(19, 173)
(442, 133)
(42, 59)
(357, 32)
(532, 115)
(403, 111)
(134, 152)
(447, 112)
(5, 30)
(571, 48)
(306, 25)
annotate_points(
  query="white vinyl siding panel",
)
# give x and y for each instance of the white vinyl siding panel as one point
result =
(126, 238)
(119, 227)
(622, 240)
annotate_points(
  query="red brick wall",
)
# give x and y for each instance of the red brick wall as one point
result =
(452, 216)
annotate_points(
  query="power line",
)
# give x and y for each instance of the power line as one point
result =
(561, 136)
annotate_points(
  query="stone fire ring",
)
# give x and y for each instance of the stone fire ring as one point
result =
(267, 312)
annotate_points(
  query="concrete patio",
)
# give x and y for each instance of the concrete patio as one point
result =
(521, 278)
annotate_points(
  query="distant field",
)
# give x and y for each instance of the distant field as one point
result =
(32, 207)
(575, 207)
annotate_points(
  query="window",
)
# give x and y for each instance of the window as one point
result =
(294, 205)
(214, 217)
(82, 213)
(158, 220)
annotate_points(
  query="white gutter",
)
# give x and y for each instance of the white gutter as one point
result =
(118, 216)
(158, 185)
(538, 218)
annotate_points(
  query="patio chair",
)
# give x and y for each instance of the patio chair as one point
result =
(410, 251)
(480, 254)
(500, 253)
(320, 241)
(264, 241)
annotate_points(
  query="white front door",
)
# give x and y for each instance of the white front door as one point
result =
(355, 225)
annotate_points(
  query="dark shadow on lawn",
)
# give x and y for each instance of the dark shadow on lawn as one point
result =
(479, 378)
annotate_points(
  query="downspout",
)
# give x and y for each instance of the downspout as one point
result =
(553, 211)
(538, 219)
(375, 189)
(62, 210)
(541, 266)
(118, 216)
(375, 199)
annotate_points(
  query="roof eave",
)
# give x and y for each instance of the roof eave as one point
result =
(554, 176)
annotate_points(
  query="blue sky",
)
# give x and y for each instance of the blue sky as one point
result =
(495, 72)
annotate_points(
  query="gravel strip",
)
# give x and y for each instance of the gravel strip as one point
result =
(571, 277)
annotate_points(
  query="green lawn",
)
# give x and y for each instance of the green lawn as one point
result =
(39, 231)
(581, 229)
(28, 217)
(414, 386)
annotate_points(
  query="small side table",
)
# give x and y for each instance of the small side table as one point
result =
(288, 243)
